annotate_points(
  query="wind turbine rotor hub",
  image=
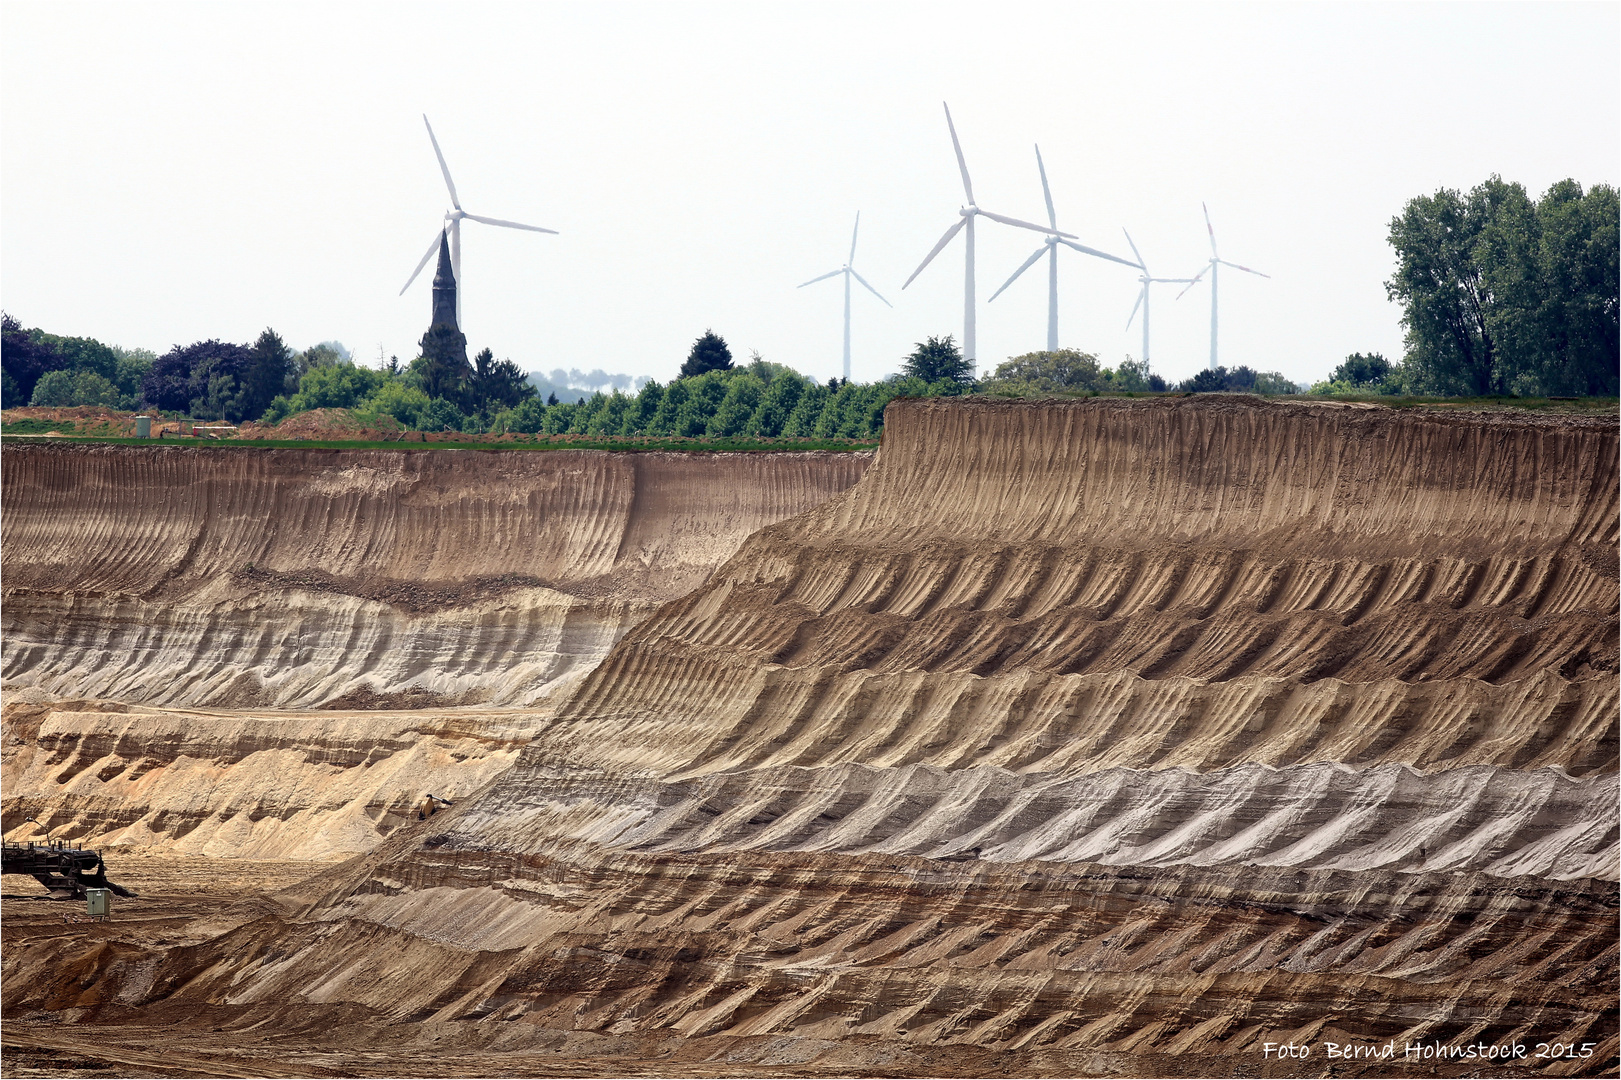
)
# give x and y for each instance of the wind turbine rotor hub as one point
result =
(968, 211)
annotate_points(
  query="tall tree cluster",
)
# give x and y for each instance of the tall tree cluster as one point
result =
(37, 368)
(1505, 294)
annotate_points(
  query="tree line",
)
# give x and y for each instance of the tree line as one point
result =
(442, 390)
(1501, 294)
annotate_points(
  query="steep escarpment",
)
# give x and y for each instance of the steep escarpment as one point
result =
(1119, 737)
(294, 578)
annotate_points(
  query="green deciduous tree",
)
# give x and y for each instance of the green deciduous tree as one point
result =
(441, 415)
(529, 417)
(1134, 376)
(1239, 380)
(737, 408)
(133, 364)
(1363, 373)
(1049, 372)
(639, 415)
(801, 422)
(1439, 284)
(611, 416)
(407, 404)
(1502, 294)
(704, 395)
(322, 355)
(336, 386)
(776, 404)
(25, 358)
(663, 419)
(62, 387)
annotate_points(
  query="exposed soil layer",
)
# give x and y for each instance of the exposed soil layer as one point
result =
(1080, 738)
(251, 785)
(294, 578)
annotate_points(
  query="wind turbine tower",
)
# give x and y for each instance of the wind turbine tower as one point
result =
(848, 270)
(1216, 262)
(1050, 248)
(453, 221)
(1142, 297)
(965, 220)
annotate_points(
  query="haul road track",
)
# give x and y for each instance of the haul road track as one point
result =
(1068, 738)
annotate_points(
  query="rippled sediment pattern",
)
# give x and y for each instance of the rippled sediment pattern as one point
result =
(243, 785)
(1093, 737)
(293, 578)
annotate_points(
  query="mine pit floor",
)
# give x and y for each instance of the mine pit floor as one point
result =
(190, 899)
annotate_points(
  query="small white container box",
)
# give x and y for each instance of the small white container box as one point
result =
(143, 427)
(98, 902)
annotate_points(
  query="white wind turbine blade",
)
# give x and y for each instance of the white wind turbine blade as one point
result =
(433, 249)
(508, 224)
(1100, 254)
(1023, 224)
(870, 289)
(1052, 215)
(449, 183)
(1211, 229)
(1246, 269)
(1027, 264)
(1192, 281)
(853, 232)
(1134, 251)
(1140, 294)
(824, 277)
(944, 240)
(967, 186)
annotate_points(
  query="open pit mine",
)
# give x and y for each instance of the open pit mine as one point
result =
(1197, 736)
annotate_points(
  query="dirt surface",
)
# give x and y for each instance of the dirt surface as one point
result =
(85, 1029)
(298, 578)
(1076, 738)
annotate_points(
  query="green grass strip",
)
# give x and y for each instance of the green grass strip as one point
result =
(622, 446)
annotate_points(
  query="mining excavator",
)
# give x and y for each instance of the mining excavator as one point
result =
(66, 872)
(430, 806)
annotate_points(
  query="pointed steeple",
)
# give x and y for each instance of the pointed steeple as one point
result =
(444, 287)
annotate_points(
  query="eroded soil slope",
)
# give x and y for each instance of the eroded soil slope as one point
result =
(302, 578)
(1084, 738)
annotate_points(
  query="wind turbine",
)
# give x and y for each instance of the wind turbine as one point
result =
(1050, 248)
(1216, 262)
(966, 220)
(454, 219)
(1142, 297)
(848, 270)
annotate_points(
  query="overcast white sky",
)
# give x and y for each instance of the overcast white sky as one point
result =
(173, 172)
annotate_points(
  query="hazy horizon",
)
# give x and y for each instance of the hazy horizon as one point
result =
(174, 173)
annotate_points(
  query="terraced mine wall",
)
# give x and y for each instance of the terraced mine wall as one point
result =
(170, 615)
(1080, 738)
(297, 579)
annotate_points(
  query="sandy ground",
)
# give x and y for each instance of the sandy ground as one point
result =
(1076, 739)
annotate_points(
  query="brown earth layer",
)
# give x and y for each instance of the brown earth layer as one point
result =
(296, 577)
(1077, 738)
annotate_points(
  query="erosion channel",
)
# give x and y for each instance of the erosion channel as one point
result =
(1107, 737)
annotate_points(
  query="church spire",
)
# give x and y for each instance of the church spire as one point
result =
(444, 287)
